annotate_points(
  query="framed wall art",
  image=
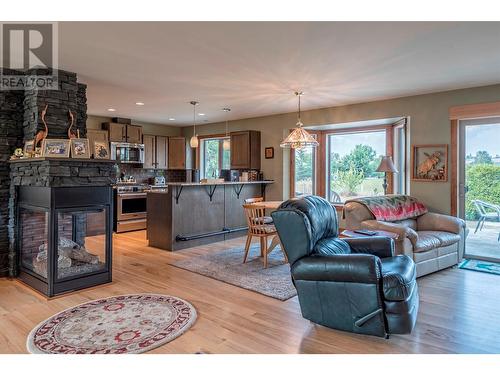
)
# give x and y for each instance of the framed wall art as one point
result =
(28, 149)
(430, 163)
(80, 148)
(55, 148)
(269, 152)
(101, 150)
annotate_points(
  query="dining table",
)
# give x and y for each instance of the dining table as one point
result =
(269, 205)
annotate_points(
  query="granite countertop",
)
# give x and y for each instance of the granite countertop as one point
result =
(217, 183)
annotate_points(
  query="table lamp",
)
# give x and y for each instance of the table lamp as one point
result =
(386, 165)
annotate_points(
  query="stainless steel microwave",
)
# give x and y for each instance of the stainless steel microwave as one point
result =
(132, 153)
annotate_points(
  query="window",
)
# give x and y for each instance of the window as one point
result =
(352, 160)
(215, 154)
(304, 177)
(344, 164)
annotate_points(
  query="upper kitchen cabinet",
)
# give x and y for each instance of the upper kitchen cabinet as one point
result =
(155, 152)
(161, 152)
(134, 134)
(123, 132)
(149, 151)
(176, 153)
(245, 150)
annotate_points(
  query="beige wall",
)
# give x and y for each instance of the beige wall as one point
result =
(428, 124)
(94, 122)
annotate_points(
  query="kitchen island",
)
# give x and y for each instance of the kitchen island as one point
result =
(187, 214)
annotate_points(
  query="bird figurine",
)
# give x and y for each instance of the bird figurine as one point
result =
(71, 135)
(41, 134)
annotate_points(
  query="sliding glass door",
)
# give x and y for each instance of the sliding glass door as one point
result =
(479, 186)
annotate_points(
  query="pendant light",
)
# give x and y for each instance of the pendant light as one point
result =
(226, 144)
(299, 137)
(193, 142)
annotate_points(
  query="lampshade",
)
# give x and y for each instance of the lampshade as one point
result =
(193, 142)
(386, 165)
(299, 137)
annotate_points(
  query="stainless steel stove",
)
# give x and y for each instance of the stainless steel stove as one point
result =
(130, 207)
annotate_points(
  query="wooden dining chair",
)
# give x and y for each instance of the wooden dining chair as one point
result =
(267, 219)
(257, 227)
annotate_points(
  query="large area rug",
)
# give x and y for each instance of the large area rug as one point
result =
(126, 324)
(227, 265)
(481, 266)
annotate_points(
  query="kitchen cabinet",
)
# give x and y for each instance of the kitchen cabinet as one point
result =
(245, 150)
(134, 134)
(161, 152)
(123, 132)
(149, 151)
(176, 153)
(155, 152)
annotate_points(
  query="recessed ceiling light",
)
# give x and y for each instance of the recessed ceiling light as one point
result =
(201, 114)
(139, 103)
(171, 119)
(111, 109)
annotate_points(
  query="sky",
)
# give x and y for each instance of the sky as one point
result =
(482, 137)
(344, 144)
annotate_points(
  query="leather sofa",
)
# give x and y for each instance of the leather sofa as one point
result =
(354, 285)
(434, 241)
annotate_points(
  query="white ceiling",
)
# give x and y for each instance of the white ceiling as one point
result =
(254, 67)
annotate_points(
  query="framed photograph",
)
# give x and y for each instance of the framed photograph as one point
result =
(269, 152)
(28, 149)
(80, 148)
(101, 150)
(55, 148)
(430, 163)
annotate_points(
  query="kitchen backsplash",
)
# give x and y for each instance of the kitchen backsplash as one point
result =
(142, 175)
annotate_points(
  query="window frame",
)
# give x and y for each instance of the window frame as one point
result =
(316, 163)
(321, 162)
(200, 164)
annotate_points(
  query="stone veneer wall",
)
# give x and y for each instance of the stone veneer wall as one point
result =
(11, 126)
(53, 173)
(71, 96)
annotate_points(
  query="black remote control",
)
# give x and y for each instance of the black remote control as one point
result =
(365, 232)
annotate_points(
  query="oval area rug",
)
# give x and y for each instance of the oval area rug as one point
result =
(125, 324)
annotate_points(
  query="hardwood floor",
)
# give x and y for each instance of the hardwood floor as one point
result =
(459, 310)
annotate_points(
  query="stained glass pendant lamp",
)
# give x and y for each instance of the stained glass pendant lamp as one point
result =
(193, 142)
(299, 137)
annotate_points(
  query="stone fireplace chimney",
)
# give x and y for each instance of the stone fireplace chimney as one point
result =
(71, 96)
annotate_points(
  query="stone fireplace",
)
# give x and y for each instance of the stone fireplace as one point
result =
(55, 214)
(63, 223)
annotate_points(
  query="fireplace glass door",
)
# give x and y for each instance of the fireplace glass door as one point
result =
(34, 236)
(81, 236)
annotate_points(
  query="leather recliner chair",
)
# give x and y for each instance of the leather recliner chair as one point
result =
(354, 284)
